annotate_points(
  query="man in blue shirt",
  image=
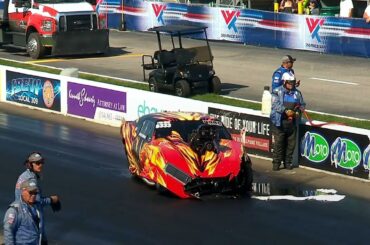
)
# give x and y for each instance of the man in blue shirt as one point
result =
(286, 108)
(34, 164)
(286, 66)
(24, 218)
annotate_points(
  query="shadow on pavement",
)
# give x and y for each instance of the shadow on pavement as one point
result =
(113, 51)
(229, 87)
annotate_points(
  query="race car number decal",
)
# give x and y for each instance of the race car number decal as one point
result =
(164, 124)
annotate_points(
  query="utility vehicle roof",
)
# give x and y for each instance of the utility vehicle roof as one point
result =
(175, 30)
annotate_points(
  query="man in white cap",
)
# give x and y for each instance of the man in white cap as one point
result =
(23, 221)
(287, 104)
(286, 66)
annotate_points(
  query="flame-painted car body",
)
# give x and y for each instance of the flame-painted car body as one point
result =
(189, 154)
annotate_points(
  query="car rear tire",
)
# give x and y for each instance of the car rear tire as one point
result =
(245, 177)
(215, 85)
(182, 88)
(160, 189)
(153, 87)
(34, 46)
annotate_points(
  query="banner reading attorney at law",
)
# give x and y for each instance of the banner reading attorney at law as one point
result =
(253, 130)
(96, 103)
(32, 90)
(335, 151)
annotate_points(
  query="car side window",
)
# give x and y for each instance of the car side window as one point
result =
(146, 131)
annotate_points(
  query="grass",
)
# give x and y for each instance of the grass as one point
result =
(365, 124)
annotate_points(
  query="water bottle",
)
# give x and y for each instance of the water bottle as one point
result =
(266, 101)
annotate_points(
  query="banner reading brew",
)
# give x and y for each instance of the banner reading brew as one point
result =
(31, 90)
(96, 103)
(335, 151)
(252, 130)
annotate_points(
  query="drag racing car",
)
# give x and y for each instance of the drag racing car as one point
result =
(187, 154)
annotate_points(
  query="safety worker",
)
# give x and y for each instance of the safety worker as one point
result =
(286, 106)
(286, 66)
(34, 164)
(23, 221)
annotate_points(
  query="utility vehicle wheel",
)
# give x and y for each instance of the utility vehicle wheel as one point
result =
(182, 88)
(153, 87)
(214, 85)
(34, 47)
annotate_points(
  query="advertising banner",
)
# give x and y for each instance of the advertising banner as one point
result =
(142, 103)
(253, 131)
(96, 103)
(335, 151)
(326, 34)
(32, 90)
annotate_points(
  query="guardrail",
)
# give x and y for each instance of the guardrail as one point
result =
(334, 148)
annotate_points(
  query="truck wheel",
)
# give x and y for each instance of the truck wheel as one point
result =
(182, 88)
(214, 85)
(153, 87)
(34, 47)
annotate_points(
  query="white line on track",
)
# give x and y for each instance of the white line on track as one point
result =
(334, 81)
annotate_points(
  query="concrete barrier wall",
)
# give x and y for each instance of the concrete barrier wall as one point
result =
(334, 148)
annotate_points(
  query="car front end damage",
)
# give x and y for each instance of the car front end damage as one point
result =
(202, 187)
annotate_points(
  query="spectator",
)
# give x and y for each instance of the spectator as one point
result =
(288, 6)
(313, 8)
(346, 8)
(287, 104)
(34, 164)
(306, 3)
(367, 14)
(24, 219)
(286, 65)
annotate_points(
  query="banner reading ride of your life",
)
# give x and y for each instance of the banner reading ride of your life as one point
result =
(253, 131)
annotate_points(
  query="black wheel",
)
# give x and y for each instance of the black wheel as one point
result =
(34, 46)
(160, 189)
(182, 88)
(214, 85)
(245, 177)
(153, 87)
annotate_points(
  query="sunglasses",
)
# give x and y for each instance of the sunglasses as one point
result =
(38, 163)
(33, 193)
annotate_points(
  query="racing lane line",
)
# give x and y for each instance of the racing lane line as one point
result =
(334, 81)
(92, 58)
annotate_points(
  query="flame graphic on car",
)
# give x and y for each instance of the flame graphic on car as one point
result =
(128, 133)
